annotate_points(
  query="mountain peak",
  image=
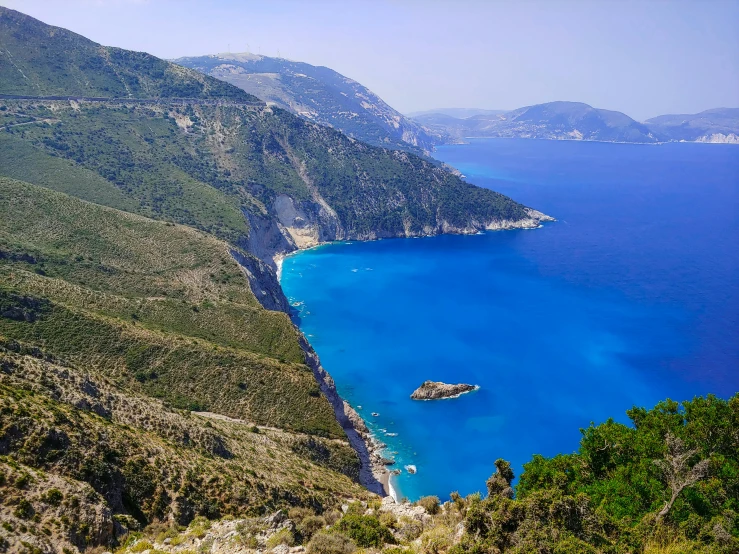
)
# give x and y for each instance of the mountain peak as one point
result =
(51, 61)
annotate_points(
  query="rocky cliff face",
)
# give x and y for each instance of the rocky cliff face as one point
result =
(320, 95)
(436, 390)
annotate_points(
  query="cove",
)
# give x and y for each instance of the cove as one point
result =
(630, 297)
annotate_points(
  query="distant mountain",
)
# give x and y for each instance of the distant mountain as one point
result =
(578, 121)
(461, 113)
(319, 94)
(555, 120)
(717, 125)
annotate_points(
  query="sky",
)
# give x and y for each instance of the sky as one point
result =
(644, 57)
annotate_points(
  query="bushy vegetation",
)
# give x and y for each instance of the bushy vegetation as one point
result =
(42, 60)
(162, 309)
(669, 481)
(204, 165)
(67, 437)
(366, 531)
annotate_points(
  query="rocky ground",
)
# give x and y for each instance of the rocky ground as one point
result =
(283, 533)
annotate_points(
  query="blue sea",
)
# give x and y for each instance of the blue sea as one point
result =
(630, 297)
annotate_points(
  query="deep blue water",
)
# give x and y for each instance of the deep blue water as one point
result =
(632, 296)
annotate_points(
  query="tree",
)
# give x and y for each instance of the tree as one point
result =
(500, 482)
(676, 470)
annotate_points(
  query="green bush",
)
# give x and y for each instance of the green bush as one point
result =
(437, 540)
(431, 504)
(53, 497)
(310, 525)
(24, 510)
(366, 531)
(330, 543)
(283, 536)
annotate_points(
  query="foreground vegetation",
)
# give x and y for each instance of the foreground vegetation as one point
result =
(667, 483)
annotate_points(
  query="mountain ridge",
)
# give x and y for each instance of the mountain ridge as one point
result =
(318, 93)
(564, 120)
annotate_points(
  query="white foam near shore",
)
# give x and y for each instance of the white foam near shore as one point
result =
(391, 490)
(279, 258)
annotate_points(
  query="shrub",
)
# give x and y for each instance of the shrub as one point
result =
(330, 543)
(430, 503)
(356, 508)
(366, 531)
(53, 497)
(283, 536)
(24, 510)
(388, 519)
(299, 514)
(332, 517)
(437, 540)
(409, 529)
(310, 525)
(141, 545)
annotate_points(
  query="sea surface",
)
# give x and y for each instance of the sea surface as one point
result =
(630, 297)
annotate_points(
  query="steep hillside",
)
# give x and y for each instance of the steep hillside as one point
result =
(718, 125)
(320, 94)
(161, 308)
(40, 60)
(114, 329)
(258, 177)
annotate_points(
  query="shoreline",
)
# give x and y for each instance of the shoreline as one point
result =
(374, 474)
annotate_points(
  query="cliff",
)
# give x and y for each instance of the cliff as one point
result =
(319, 94)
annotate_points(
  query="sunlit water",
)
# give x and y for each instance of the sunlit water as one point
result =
(631, 297)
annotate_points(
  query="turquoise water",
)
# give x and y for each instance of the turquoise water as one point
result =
(630, 297)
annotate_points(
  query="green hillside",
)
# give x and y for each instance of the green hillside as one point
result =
(159, 307)
(101, 313)
(41, 60)
(209, 162)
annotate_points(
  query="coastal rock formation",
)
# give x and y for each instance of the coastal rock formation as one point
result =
(436, 390)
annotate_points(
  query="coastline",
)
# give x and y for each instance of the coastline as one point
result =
(374, 474)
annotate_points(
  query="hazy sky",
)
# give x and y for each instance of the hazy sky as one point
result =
(641, 57)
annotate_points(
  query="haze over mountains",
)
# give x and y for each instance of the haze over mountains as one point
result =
(329, 98)
(579, 121)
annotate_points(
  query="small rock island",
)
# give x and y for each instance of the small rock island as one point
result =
(436, 390)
